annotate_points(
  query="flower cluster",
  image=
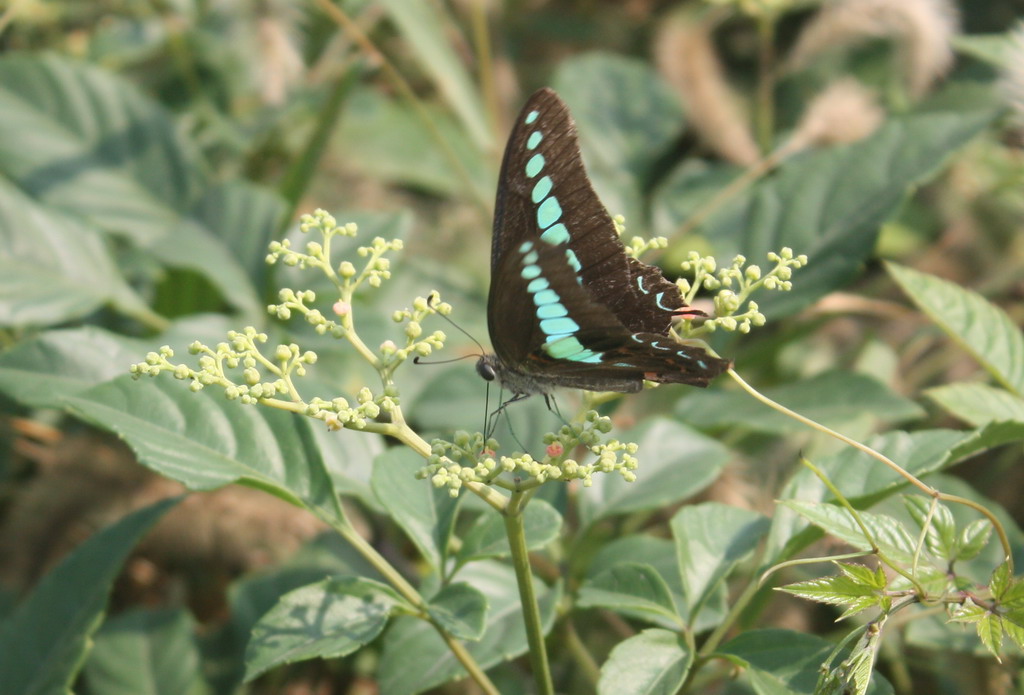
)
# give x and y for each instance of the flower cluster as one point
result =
(735, 284)
(318, 254)
(638, 245)
(415, 342)
(469, 458)
(260, 378)
(338, 413)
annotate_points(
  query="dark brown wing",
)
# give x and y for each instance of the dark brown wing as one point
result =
(544, 192)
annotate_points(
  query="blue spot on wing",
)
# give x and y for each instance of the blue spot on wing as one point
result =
(573, 260)
(556, 234)
(531, 117)
(541, 190)
(537, 285)
(534, 140)
(548, 212)
(551, 311)
(534, 165)
(545, 297)
(559, 326)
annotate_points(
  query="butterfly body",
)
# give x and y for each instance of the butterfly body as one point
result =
(567, 306)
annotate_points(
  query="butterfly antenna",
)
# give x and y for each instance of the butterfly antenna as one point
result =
(434, 298)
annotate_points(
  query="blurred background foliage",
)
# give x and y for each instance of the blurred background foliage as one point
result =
(150, 150)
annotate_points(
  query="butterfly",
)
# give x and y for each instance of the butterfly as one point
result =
(567, 307)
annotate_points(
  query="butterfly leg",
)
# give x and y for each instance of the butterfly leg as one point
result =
(492, 419)
(552, 404)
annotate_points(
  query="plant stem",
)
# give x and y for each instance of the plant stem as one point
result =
(406, 91)
(907, 475)
(765, 80)
(738, 606)
(589, 667)
(409, 593)
(516, 532)
(296, 179)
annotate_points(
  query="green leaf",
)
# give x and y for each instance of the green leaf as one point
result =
(653, 662)
(853, 674)
(253, 596)
(987, 437)
(328, 619)
(990, 632)
(40, 371)
(79, 139)
(425, 513)
(872, 578)
(1014, 631)
(978, 404)
(861, 395)
(387, 139)
(973, 539)
(711, 538)
(415, 659)
(629, 586)
(941, 538)
(349, 460)
(675, 463)
(1000, 582)
(146, 652)
(461, 610)
(245, 217)
(204, 441)
(968, 612)
(829, 203)
(782, 662)
(658, 553)
(887, 532)
(981, 328)
(623, 139)
(865, 480)
(427, 32)
(53, 268)
(997, 50)
(44, 642)
(487, 536)
(841, 590)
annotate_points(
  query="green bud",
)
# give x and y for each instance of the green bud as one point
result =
(413, 330)
(346, 269)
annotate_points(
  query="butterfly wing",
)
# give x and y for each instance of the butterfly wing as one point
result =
(545, 192)
(566, 304)
(561, 335)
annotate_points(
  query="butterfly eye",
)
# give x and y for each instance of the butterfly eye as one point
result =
(485, 370)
